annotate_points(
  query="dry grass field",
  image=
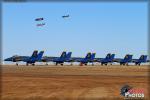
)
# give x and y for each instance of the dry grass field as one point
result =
(71, 82)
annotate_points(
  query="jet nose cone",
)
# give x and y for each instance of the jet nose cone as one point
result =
(8, 59)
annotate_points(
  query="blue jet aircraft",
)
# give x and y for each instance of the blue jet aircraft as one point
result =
(127, 59)
(32, 60)
(28, 59)
(63, 58)
(108, 59)
(58, 60)
(142, 59)
(88, 59)
(82, 60)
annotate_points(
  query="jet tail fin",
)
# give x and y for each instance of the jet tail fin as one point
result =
(69, 55)
(93, 56)
(63, 55)
(143, 57)
(112, 56)
(128, 57)
(108, 56)
(40, 55)
(35, 53)
(88, 55)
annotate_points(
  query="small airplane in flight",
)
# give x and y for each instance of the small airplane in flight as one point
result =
(127, 59)
(41, 24)
(108, 59)
(142, 59)
(28, 59)
(65, 16)
(39, 19)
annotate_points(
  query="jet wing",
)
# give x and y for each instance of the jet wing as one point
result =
(117, 59)
(134, 60)
(98, 59)
(147, 60)
(69, 60)
(48, 59)
(77, 59)
(24, 58)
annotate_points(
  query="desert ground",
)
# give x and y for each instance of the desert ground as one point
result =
(51, 82)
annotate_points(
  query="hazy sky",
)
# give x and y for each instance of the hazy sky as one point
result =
(119, 28)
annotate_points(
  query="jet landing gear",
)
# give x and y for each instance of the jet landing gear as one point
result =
(92, 64)
(16, 64)
(104, 64)
(56, 64)
(33, 64)
(124, 64)
(81, 64)
(59, 63)
(71, 64)
(46, 64)
(121, 64)
(137, 64)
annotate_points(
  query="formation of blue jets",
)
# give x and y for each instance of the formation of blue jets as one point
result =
(66, 57)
